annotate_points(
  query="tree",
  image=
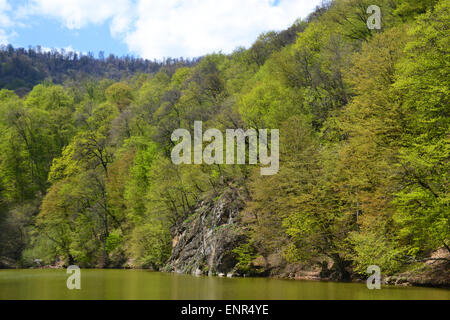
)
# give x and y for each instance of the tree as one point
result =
(423, 89)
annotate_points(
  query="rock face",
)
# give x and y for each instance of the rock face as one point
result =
(7, 263)
(432, 273)
(203, 243)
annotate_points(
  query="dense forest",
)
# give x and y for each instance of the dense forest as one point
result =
(86, 176)
(21, 69)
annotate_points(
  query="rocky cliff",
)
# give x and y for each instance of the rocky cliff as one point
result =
(203, 243)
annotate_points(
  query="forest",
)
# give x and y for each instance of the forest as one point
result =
(21, 69)
(86, 176)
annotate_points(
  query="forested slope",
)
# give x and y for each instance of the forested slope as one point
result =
(21, 69)
(86, 175)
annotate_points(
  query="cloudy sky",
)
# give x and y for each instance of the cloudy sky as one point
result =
(146, 28)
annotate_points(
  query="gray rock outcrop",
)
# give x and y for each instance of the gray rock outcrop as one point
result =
(203, 243)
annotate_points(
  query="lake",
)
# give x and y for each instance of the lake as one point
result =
(143, 284)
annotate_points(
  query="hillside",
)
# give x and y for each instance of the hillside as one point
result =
(21, 69)
(86, 175)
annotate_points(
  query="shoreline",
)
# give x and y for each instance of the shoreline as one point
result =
(391, 281)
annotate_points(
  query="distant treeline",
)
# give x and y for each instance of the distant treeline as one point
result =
(21, 69)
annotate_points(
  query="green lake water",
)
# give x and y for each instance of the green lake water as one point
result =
(142, 284)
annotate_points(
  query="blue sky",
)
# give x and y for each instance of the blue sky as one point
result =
(51, 33)
(146, 28)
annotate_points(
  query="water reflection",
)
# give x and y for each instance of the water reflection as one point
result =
(142, 284)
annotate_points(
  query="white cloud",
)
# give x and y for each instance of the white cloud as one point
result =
(5, 22)
(3, 37)
(162, 28)
(197, 27)
(76, 14)
(66, 49)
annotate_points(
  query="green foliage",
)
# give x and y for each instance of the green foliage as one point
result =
(151, 245)
(113, 241)
(410, 8)
(268, 103)
(119, 94)
(86, 175)
(375, 249)
(422, 85)
(245, 253)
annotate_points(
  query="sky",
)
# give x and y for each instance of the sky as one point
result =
(151, 29)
